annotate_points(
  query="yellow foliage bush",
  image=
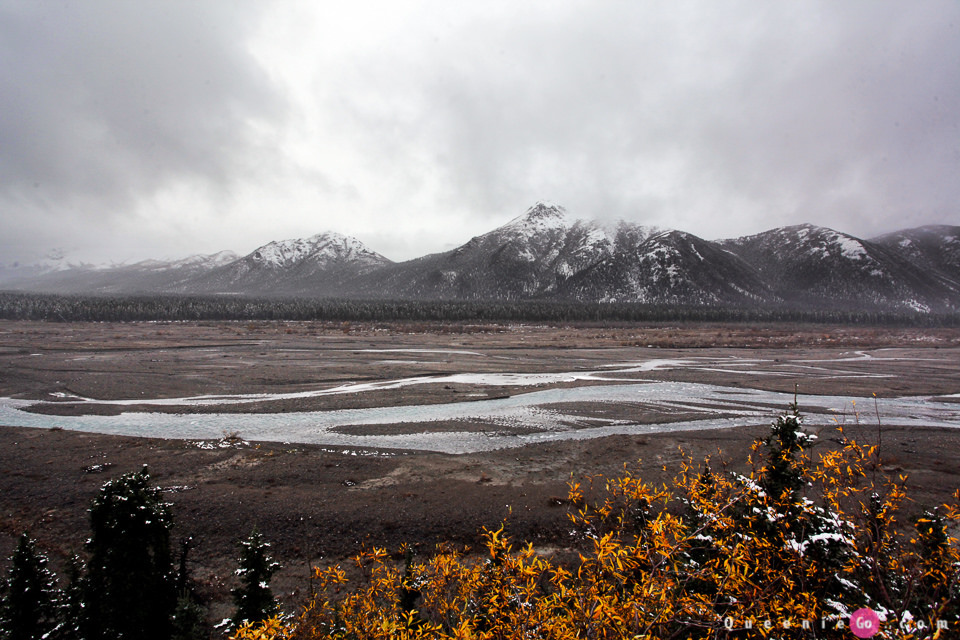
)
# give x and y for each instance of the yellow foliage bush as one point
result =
(790, 550)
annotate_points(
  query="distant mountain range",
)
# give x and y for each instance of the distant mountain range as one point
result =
(547, 254)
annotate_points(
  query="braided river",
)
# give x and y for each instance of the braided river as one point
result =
(547, 407)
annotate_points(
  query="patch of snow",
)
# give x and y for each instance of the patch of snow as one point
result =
(696, 253)
(322, 248)
(850, 248)
(540, 218)
(213, 260)
(449, 277)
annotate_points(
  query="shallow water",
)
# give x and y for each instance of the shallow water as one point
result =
(519, 420)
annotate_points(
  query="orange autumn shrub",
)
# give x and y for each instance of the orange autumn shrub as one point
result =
(790, 550)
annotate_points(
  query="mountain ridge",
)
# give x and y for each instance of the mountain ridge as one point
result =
(288, 266)
(547, 254)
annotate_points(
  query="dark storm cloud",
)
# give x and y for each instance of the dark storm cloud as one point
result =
(107, 102)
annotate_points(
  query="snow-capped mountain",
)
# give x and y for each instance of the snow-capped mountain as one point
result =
(807, 264)
(671, 267)
(12, 272)
(211, 261)
(318, 265)
(934, 249)
(532, 256)
(146, 276)
(324, 249)
(547, 254)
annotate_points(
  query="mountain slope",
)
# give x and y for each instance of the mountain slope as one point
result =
(934, 249)
(147, 276)
(318, 265)
(529, 257)
(807, 264)
(671, 267)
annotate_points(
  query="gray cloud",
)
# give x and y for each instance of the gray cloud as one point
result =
(842, 113)
(106, 103)
(430, 122)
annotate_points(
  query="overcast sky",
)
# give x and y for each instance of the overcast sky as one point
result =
(143, 129)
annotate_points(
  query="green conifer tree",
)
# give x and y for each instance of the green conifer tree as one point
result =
(130, 588)
(189, 619)
(254, 599)
(783, 476)
(189, 616)
(29, 595)
(70, 606)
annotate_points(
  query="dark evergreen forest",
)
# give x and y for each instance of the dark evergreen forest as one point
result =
(68, 308)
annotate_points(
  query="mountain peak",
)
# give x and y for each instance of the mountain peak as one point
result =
(212, 260)
(540, 217)
(326, 247)
(545, 210)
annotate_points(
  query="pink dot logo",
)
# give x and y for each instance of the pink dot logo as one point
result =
(864, 623)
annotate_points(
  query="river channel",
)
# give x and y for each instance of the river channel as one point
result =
(529, 417)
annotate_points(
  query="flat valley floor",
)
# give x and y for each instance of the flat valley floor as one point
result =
(422, 433)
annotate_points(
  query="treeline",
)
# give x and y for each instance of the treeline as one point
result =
(74, 308)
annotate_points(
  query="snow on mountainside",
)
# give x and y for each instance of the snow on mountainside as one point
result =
(146, 276)
(671, 267)
(318, 265)
(536, 252)
(322, 249)
(811, 264)
(934, 249)
(194, 263)
(205, 261)
(539, 219)
(531, 256)
(25, 272)
(547, 254)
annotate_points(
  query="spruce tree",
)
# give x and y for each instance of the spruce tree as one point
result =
(783, 475)
(189, 616)
(28, 606)
(70, 606)
(254, 599)
(130, 588)
(189, 619)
